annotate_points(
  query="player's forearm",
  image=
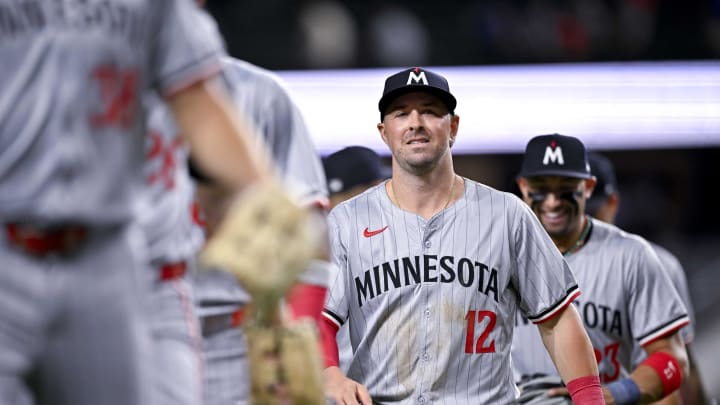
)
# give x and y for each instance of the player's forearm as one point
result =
(569, 346)
(222, 144)
(656, 378)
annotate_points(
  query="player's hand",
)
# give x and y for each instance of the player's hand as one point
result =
(558, 392)
(342, 390)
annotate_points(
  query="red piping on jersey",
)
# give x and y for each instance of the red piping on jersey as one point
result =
(559, 309)
(205, 73)
(667, 333)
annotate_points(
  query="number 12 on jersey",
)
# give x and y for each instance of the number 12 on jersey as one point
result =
(474, 320)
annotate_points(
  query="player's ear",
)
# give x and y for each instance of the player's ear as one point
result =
(590, 186)
(522, 185)
(381, 130)
(454, 125)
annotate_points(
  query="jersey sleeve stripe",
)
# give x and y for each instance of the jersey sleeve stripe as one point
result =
(572, 293)
(664, 330)
(332, 317)
(190, 74)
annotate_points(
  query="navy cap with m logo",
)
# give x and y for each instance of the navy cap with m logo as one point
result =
(555, 155)
(416, 79)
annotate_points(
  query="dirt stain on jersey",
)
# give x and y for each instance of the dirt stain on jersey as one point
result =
(400, 327)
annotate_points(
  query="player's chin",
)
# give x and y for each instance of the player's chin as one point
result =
(557, 228)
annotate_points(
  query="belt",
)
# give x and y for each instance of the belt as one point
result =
(217, 323)
(172, 271)
(43, 241)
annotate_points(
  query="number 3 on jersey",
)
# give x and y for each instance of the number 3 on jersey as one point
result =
(609, 355)
(484, 321)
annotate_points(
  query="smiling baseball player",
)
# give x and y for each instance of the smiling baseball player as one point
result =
(627, 299)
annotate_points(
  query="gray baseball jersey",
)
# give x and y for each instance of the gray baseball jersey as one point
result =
(71, 149)
(675, 271)
(262, 98)
(73, 75)
(430, 304)
(627, 301)
(167, 213)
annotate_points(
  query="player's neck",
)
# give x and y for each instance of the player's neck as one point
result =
(424, 195)
(577, 239)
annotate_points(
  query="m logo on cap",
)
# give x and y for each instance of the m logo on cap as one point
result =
(553, 153)
(413, 77)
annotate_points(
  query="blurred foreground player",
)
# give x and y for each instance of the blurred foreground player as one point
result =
(72, 329)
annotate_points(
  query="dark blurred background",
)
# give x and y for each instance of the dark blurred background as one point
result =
(668, 195)
(281, 34)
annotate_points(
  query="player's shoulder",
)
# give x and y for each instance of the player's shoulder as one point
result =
(372, 195)
(246, 74)
(665, 255)
(480, 191)
(617, 239)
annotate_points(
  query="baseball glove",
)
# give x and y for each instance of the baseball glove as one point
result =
(533, 391)
(286, 364)
(265, 241)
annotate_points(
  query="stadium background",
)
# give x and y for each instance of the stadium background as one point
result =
(669, 194)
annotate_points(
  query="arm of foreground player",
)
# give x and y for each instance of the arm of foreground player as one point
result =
(221, 142)
(570, 349)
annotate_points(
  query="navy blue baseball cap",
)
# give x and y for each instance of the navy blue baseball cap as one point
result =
(354, 166)
(416, 79)
(604, 171)
(555, 155)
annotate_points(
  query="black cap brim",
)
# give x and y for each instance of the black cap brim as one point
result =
(447, 98)
(559, 173)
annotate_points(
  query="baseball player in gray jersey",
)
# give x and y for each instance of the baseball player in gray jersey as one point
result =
(627, 299)
(220, 299)
(433, 267)
(604, 205)
(350, 171)
(173, 241)
(71, 151)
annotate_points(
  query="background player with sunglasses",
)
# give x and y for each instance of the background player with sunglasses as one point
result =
(627, 300)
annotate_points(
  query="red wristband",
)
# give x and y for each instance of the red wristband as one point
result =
(667, 368)
(586, 391)
(306, 300)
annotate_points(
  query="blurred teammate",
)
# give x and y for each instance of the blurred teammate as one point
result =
(604, 205)
(433, 267)
(221, 301)
(627, 300)
(350, 171)
(73, 324)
